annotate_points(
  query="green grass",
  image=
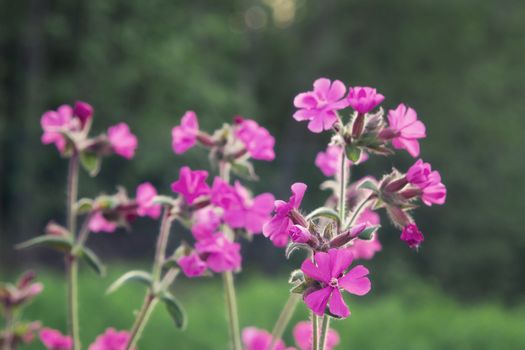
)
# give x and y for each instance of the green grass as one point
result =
(415, 318)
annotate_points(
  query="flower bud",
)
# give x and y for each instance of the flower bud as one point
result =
(299, 234)
(412, 236)
(84, 111)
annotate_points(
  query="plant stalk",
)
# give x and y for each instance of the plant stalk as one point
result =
(324, 332)
(284, 319)
(150, 301)
(231, 307)
(315, 332)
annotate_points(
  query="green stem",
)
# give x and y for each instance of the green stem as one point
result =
(342, 188)
(284, 319)
(231, 307)
(357, 211)
(162, 243)
(150, 301)
(71, 261)
(9, 329)
(315, 332)
(324, 332)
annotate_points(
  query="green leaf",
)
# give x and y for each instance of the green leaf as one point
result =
(323, 212)
(92, 260)
(299, 289)
(292, 247)
(244, 170)
(135, 276)
(353, 153)
(90, 162)
(368, 185)
(63, 244)
(84, 205)
(175, 310)
(367, 233)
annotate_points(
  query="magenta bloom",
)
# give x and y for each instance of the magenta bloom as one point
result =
(329, 271)
(303, 335)
(258, 141)
(83, 111)
(223, 195)
(259, 339)
(221, 254)
(54, 340)
(123, 142)
(145, 195)
(364, 99)
(320, 105)
(299, 234)
(247, 212)
(412, 236)
(418, 174)
(407, 128)
(111, 340)
(278, 227)
(184, 136)
(191, 184)
(433, 191)
(53, 122)
(99, 223)
(206, 221)
(192, 265)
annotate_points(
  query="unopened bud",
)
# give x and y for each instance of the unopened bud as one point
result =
(300, 234)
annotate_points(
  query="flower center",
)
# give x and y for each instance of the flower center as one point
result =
(334, 283)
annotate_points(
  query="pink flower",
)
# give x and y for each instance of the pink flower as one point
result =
(259, 339)
(299, 234)
(123, 142)
(257, 140)
(191, 184)
(223, 195)
(278, 227)
(53, 122)
(145, 195)
(364, 99)
(54, 340)
(412, 236)
(320, 105)
(329, 271)
(366, 249)
(99, 223)
(84, 111)
(429, 182)
(302, 333)
(407, 129)
(205, 222)
(247, 212)
(221, 254)
(418, 174)
(329, 161)
(184, 136)
(111, 340)
(192, 265)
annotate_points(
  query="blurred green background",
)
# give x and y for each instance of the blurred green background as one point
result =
(459, 63)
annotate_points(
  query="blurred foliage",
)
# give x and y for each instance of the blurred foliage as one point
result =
(414, 317)
(459, 63)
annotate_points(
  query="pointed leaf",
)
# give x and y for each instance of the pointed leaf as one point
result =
(369, 185)
(323, 212)
(92, 260)
(84, 205)
(90, 162)
(367, 233)
(175, 310)
(244, 170)
(353, 153)
(60, 243)
(135, 276)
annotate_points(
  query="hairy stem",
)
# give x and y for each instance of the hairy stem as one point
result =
(284, 319)
(342, 187)
(358, 211)
(71, 261)
(162, 243)
(150, 301)
(315, 332)
(324, 332)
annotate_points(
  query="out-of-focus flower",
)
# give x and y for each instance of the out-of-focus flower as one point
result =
(122, 141)
(407, 129)
(364, 99)
(302, 334)
(258, 141)
(192, 265)
(278, 227)
(220, 253)
(54, 340)
(111, 339)
(412, 236)
(328, 269)
(206, 221)
(319, 106)
(259, 339)
(98, 223)
(184, 136)
(24, 291)
(54, 122)
(144, 197)
(83, 111)
(329, 161)
(191, 184)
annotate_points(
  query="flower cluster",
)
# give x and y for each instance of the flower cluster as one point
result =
(111, 339)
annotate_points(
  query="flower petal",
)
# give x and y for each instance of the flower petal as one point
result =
(355, 281)
(317, 300)
(340, 259)
(337, 304)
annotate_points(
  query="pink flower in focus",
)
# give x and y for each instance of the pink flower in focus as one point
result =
(205, 222)
(184, 136)
(123, 142)
(99, 223)
(299, 234)
(278, 227)
(407, 128)
(53, 122)
(192, 265)
(221, 254)
(54, 340)
(412, 236)
(364, 99)
(258, 141)
(329, 271)
(418, 173)
(433, 191)
(111, 340)
(302, 333)
(320, 105)
(191, 184)
(259, 339)
(249, 213)
(145, 195)
(329, 161)
(83, 111)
